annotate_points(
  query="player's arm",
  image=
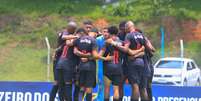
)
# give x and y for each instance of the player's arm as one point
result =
(139, 54)
(102, 51)
(108, 58)
(149, 45)
(136, 52)
(69, 42)
(124, 48)
(95, 53)
(69, 37)
(81, 54)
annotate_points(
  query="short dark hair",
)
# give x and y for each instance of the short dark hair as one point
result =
(122, 24)
(113, 30)
(81, 30)
(94, 30)
(87, 22)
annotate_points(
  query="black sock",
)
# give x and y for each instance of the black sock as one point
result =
(62, 92)
(89, 97)
(145, 100)
(61, 96)
(53, 92)
(106, 99)
(76, 93)
(68, 91)
(134, 99)
(81, 94)
(149, 92)
(114, 99)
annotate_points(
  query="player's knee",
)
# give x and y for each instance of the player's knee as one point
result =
(116, 92)
(55, 83)
(67, 83)
(143, 93)
(88, 90)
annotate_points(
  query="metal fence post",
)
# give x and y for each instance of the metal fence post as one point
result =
(48, 58)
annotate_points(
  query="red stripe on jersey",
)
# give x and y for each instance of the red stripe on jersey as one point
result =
(65, 51)
(116, 56)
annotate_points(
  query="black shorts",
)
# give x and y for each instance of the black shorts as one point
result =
(64, 75)
(87, 78)
(64, 63)
(115, 79)
(125, 70)
(135, 75)
(54, 70)
(76, 76)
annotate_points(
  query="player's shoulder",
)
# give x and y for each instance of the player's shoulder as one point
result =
(100, 37)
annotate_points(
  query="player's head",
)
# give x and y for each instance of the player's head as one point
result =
(129, 26)
(113, 30)
(122, 26)
(93, 32)
(81, 32)
(88, 25)
(71, 27)
(105, 33)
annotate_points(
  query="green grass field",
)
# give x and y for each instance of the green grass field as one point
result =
(25, 23)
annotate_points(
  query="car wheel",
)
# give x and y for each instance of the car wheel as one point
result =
(198, 83)
(185, 83)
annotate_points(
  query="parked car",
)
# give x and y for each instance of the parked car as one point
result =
(177, 71)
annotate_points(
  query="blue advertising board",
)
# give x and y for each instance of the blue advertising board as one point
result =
(39, 91)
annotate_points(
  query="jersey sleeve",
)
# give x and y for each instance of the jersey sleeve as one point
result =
(127, 39)
(94, 44)
(106, 50)
(75, 42)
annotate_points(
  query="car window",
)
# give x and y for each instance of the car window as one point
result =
(170, 64)
(193, 65)
(189, 67)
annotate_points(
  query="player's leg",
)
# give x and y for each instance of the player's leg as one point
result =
(123, 80)
(107, 83)
(90, 82)
(82, 79)
(76, 85)
(88, 94)
(121, 90)
(55, 84)
(135, 92)
(61, 85)
(68, 77)
(116, 79)
(134, 78)
(54, 91)
(149, 85)
(116, 93)
(143, 88)
(143, 84)
(143, 94)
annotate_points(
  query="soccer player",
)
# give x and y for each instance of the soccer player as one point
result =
(149, 51)
(122, 34)
(80, 32)
(67, 63)
(86, 49)
(88, 25)
(149, 70)
(134, 48)
(112, 65)
(101, 43)
(57, 55)
(136, 67)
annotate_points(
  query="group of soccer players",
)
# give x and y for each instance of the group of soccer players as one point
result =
(126, 54)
